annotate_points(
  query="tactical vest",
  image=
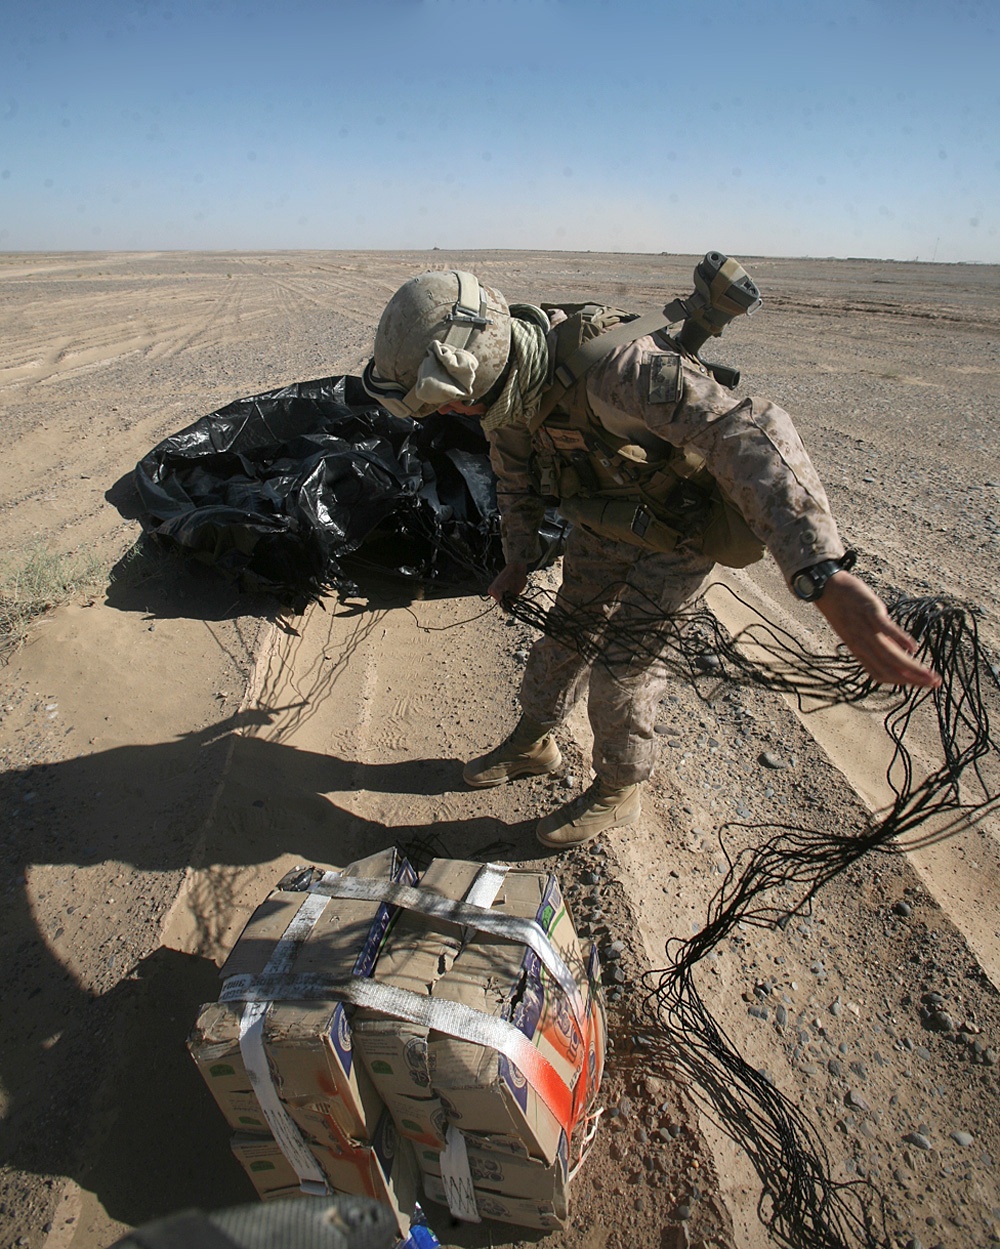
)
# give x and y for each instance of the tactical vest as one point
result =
(614, 488)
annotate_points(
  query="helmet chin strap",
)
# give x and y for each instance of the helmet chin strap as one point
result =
(469, 310)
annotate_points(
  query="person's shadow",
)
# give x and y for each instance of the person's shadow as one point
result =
(111, 1052)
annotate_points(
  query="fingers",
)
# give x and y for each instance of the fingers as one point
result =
(894, 664)
(508, 584)
(862, 622)
(886, 654)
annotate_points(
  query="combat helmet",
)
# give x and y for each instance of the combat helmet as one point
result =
(443, 338)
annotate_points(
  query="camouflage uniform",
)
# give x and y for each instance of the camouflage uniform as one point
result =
(752, 450)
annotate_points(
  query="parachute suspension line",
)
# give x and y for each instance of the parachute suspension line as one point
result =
(802, 1206)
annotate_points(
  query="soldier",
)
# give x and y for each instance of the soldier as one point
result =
(663, 473)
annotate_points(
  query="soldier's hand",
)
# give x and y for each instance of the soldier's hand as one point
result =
(862, 622)
(509, 582)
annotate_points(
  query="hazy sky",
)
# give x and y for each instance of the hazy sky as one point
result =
(849, 128)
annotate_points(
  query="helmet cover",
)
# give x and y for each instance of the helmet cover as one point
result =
(443, 337)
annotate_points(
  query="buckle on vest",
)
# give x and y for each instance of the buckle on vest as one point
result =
(640, 521)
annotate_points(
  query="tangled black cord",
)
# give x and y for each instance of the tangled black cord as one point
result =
(800, 1203)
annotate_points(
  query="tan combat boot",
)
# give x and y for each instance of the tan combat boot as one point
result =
(530, 750)
(595, 811)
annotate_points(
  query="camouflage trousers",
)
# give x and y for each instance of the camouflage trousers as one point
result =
(603, 582)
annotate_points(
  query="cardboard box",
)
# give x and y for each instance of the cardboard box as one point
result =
(386, 1170)
(421, 951)
(270, 1172)
(423, 1120)
(494, 1169)
(522, 1211)
(310, 1054)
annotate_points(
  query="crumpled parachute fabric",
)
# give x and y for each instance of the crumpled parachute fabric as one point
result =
(278, 489)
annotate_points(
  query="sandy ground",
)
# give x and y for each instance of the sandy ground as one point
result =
(169, 746)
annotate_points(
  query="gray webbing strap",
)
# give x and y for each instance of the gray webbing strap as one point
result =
(523, 931)
(283, 1127)
(467, 312)
(594, 349)
(452, 1018)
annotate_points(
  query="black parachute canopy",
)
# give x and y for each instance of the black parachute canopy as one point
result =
(279, 489)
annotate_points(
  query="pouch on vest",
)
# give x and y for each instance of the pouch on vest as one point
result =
(622, 520)
(727, 538)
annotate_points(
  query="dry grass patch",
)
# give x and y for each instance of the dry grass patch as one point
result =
(36, 582)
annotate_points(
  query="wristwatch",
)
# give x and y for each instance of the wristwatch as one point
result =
(810, 583)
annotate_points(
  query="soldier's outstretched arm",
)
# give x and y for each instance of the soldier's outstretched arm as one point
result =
(862, 622)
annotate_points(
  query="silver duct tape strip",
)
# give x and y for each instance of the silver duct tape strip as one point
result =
(484, 889)
(524, 931)
(301, 925)
(283, 1127)
(452, 1018)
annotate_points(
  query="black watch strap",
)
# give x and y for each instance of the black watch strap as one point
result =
(810, 583)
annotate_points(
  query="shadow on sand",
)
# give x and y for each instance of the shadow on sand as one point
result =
(72, 1057)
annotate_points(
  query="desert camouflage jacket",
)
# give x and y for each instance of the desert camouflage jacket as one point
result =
(750, 447)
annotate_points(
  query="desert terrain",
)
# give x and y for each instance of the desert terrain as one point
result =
(170, 746)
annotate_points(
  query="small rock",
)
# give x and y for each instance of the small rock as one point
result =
(918, 1141)
(902, 908)
(962, 1138)
(940, 1021)
(855, 1100)
(769, 759)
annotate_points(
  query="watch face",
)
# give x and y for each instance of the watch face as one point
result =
(804, 586)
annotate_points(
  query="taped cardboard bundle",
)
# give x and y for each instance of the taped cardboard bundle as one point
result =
(475, 1012)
